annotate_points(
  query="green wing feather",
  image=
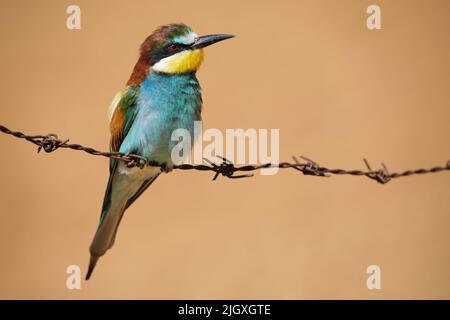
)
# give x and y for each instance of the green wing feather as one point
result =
(124, 113)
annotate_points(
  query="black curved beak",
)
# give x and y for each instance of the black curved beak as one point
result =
(208, 40)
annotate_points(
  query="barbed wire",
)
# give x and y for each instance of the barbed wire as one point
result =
(226, 168)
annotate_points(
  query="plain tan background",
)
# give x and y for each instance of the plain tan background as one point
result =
(337, 91)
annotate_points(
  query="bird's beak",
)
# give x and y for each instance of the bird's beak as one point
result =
(205, 41)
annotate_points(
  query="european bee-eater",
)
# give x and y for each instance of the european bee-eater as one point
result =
(162, 95)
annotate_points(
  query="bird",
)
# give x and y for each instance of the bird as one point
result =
(162, 94)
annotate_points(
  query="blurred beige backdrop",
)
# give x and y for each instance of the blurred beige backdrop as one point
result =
(337, 91)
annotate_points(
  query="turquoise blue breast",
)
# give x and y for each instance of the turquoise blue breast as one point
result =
(166, 103)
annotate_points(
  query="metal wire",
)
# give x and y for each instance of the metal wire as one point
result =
(226, 168)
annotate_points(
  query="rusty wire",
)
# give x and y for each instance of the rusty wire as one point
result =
(226, 168)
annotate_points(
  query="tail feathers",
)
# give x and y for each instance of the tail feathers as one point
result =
(104, 237)
(92, 263)
(129, 202)
(120, 194)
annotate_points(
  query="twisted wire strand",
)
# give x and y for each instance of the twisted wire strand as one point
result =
(226, 168)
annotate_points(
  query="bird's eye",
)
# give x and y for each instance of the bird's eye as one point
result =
(174, 47)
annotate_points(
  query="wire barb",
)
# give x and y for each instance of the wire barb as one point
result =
(50, 143)
(381, 176)
(311, 167)
(226, 168)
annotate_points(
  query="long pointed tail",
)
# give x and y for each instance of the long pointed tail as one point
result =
(92, 263)
(105, 236)
(121, 192)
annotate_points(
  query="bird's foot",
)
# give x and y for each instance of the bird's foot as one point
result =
(166, 168)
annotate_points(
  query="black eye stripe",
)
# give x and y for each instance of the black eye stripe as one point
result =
(181, 45)
(166, 51)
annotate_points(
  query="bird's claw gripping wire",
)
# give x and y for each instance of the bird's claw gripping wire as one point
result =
(133, 160)
(165, 168)
(50, 143)
(311, 167)
(226, 168)
(381, 175)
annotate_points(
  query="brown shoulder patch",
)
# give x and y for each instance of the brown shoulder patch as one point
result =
(116, 127)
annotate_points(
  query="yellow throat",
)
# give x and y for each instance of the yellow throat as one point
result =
(182, 62)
